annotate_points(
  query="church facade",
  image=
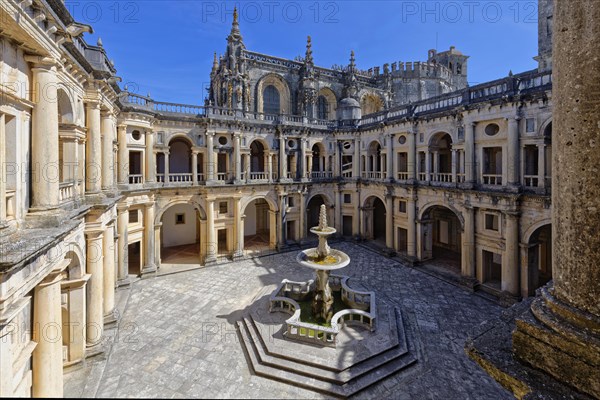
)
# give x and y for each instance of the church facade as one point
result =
(99, 185)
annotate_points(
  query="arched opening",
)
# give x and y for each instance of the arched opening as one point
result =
(318, 159)
(441, 239)
(259, 227)
(65, 108)
(180, 236)
(440, 148)
(257, 157)
(374, 161)
(73, 325)
(539, 258)
(271, 100)
(371, 103)
(322, 108)
(374, 227)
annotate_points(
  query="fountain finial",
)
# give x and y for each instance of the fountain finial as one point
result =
(323, 218)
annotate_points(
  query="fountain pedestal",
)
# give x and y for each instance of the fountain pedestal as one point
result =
(322, 305)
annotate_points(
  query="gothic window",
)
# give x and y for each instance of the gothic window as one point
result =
(322, 108)
(271, 100)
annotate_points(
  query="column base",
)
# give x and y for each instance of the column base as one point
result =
(238, 255)
(285, 180)
(111, 318)
(560, 340)
(92, 350)
(148, 270)
(239, 182)
(210, 260)
(123, 282)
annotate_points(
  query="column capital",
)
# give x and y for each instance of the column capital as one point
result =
(93, 234)
(121, 208)
(41, 62)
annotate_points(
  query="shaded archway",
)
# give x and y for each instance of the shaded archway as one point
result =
(371, 103)
(259, 227)
(318, 159)
(257, 156)
(374, 226)
(441, 239)
(180, 236)
(313, 208)
(440, 147)
(539, 258)
(180, 156)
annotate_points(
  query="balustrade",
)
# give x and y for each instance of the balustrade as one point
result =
(259, 176)
(531, 180)
(441, 177)
(136, 179)
(66, 191)
(492, 179)
(11, 204)
(181, 177)
(372, 174)
(403, 176)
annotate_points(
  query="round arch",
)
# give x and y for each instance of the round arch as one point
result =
(331, 102)
(249, 199)
(181, 233)
(436, 137)
(313, 209)
(371, 103)
(428, 206)
(161, 210)
(544, 126)
(282, 87)
(440, 237)
(375, 221)
(259, 225)
(181, 136)
(537, 260)
(66, 111)
(534, 227)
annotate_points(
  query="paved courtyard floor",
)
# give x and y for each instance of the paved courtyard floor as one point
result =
(177, 338)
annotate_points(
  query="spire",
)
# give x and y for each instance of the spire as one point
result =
(352, 67)
(235, 26)
(215, 65)
(309, 58)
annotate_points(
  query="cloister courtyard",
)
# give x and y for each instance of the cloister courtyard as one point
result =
(177, 337)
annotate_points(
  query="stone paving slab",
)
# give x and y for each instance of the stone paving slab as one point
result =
(177, 337)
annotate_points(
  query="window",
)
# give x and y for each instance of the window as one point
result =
(347, 198)
(133, 216)
(290, 201)
(179, 219)
(271, 101)
(492, 159)
(136, 135)
(223, 207)
(222, 140)
(402, 206)
(322, 108)
(492, 222)
(492, 129)
(402, 139)
(530, 125)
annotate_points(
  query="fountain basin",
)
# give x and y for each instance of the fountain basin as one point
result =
(334, 260)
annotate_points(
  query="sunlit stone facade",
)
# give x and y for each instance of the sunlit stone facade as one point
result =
(98, 185)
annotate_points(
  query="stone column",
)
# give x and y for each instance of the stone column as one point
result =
(122, 222)
(427, 165)
(338, 212)
(47, 365)
(389, 221)
(562, 338)
(108, 138)
(468, 243)
(247, 166)
(238, 220)
(303, 158)
(149, 262)
(273, 232)
(194, 167)
(210, 152)
(93, 149)
(390, 159)
(270, 166)
(282, 159)
(412, 156)
(150, 158)
(167, 167)
(44, 136)
(109, 272)
(541, 165)
(280, 221)
(157, 244)
(454, 164)
(95, 294)
(510, 266)
(513, 152)
(302, 221)
(123, 154)
(2, 175)
(356, 160)
(470, 154)
(211, 243)
(309, 166)
(237, 159)
(411, 229)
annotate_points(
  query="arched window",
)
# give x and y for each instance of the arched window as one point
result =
(271, 100)
(322, 108)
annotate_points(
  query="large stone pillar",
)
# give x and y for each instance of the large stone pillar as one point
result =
(2, 175)
(514, 152)
(149, 262)
(302, 221)
(303, 158)
(542, 165)
(468, 243)
(412, 228)
(44, 136)
(237, 159)
(194, 167)
(454, 164)
(282, 159)
(412, 156)
(470, 154)
(389, 221)
(427, 165)
(356, 160)
(211, 243)
(510, 266)
(150, 158)
(108, 137)
(122, 222)
(123, 155)
(93, 149)
(109, 271)
(95, 294)
(561, 334)
(47, 364)
(270, 166)
(238, 219)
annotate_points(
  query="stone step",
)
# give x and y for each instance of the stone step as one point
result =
(318, 385)
(318, 372)
(396, 329)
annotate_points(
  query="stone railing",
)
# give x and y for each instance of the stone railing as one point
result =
(530, 180)
(441, 177)
(285, 299)
(321, 175)
(181, 178)
(259, 176)
(66, 191)
(403, 176)
(492, 179)
(11, 204)
(136, 179)
(372, 174)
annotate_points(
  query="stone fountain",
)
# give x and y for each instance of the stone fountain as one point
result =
(323, 260)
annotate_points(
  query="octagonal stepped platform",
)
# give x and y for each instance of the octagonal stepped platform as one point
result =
(360, 360)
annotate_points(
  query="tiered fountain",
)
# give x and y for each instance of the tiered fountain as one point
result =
(359, 307)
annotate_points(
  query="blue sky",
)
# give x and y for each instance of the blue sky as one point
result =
(165, 48)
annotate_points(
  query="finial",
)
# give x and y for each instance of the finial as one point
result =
(235, 26)
(215, 62)
(309, 58)
(323, 218)
(235, 15)
(352, 61)
(99, 43)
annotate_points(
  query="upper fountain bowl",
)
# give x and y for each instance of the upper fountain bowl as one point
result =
(328, 230)
(334, 260)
